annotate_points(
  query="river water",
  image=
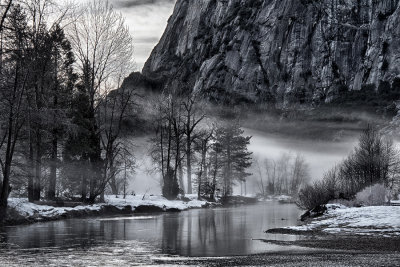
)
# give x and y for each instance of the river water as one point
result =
(141, 239)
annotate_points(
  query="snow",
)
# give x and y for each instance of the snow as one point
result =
(372, 220)
(33, 211)
(151, 200)
(281, 198)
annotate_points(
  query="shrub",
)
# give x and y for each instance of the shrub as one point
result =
(374, 161)
(372, 195)
(319, 193)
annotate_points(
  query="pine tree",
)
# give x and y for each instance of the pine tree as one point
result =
(231, 156)
(76, 167)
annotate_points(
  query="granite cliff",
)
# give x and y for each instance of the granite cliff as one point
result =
(278, 51)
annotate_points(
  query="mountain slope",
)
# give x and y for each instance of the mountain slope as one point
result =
(278, 51)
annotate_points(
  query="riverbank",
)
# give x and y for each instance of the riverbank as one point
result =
(20, 211)
(197, 237)
(381, 221)
(122, 256)
(285, 259)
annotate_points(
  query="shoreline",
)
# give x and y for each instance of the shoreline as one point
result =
(293, 258)
(306, 257)
(315, 248)
(21, 212)
(339, 220)
(105, 210)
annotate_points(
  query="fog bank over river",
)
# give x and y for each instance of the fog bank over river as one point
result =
(320, 156)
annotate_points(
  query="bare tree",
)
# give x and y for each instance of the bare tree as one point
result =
(299, 174)
(193, 116)
(286, 175)
(168, 144)
(115, 109)
(6, 6)
(103, 46)
(13, 80)
(262, 188)
(373, 161)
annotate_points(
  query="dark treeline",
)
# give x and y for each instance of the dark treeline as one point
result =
(66, 115)
(61, 118)
(187, 144)
(374, 161)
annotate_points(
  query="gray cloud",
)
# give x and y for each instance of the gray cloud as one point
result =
(147, 20)
(147, 40)
(134, 3)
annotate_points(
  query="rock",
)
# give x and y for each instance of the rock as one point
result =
(148, 208)
(315, 212)
(305, 216)
(282, 52)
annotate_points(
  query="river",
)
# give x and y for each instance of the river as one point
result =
(142, 239)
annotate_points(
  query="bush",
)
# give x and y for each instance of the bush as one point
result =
(373, 195)
(319, 193)
(311, 196)
(374, 161)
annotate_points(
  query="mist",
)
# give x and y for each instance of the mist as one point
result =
(320, 155)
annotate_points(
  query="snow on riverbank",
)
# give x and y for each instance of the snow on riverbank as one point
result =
(157, 201)
(373, 220)
(32, 212)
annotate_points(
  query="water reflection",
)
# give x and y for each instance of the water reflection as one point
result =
(203, 232)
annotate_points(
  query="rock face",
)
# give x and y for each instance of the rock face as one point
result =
(278, 51)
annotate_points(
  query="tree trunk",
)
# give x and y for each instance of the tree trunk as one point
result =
(113, 171)
(114, 187)
(92, 183)
(51, 191)
(84, 187)
(125, 180)
(38, 168)
(31, 168)
(95, 161)
(228, 173)
(180, 174)
(214, 181)
(189, 163)
(202, 168)
(5, 189)
(102, 197)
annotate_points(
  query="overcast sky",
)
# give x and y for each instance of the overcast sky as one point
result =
(147, 20)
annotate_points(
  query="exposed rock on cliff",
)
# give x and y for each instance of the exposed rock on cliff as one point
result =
(278, 51)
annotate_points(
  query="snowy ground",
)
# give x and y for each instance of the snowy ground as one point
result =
(158, 201)
(35, 212)
(373, 220)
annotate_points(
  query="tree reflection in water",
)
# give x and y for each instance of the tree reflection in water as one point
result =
(201, 232)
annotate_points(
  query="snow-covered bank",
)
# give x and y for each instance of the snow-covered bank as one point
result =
(373, 220)
(284, 199)
(22, 211)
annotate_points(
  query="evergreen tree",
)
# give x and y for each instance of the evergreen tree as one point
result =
(76, 167)
(231, 156)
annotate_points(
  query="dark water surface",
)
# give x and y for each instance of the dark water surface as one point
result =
(193, 233)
